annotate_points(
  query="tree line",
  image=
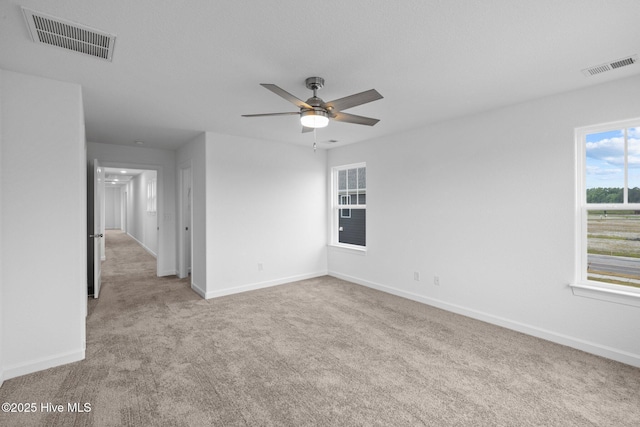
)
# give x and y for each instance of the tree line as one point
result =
(611, 195)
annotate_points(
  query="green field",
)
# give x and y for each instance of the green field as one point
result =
(615, 234)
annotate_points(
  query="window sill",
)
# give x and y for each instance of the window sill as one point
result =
(348, 248)
(619, 294)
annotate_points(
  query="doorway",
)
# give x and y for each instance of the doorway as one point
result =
(132, 202)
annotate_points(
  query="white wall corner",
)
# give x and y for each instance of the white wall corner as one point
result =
(165, 273)
(198, 290)
(260, 285)
(44, 363)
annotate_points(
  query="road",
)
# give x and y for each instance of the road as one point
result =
(615, 264)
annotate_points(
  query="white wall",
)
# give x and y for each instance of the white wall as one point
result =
(164, 161)
(113, 207)
(487, 204)
(1, 239)
(43, 224)
(143, 224)
(193, 155)
(265, 204)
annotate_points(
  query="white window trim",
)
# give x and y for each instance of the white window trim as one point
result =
(335, 208)
(581, 286)
(342, 213)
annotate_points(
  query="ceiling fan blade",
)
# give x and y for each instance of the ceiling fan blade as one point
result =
(352, 118)
(286, 95)
(271, 114)
(354, 100)
(306, 129)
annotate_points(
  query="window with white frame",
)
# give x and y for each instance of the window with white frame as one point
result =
(349, 204)
(152, 196)
(608, 199)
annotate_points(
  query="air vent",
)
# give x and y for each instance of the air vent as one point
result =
(591, 71)
(67, 35)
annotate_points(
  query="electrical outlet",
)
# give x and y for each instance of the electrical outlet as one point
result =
(416, 276)
(436, 280)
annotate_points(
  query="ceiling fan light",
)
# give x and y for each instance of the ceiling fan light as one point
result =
(314, 119)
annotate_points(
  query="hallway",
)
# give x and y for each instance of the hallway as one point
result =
(129, 279)
(117, 373)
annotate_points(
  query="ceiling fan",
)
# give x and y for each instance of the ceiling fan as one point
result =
(315, 113)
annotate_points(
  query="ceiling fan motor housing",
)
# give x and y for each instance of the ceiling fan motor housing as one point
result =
(314, 83)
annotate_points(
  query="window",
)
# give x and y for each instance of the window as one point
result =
(349, 204)
(608, 230)
(152, 197)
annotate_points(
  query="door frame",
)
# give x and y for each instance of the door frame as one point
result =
(183, 262)
(95, 225)
(160, 202)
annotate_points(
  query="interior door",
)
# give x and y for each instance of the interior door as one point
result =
(98, 231)
(184, 265)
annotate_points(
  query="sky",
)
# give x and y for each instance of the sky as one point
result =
(605, 158)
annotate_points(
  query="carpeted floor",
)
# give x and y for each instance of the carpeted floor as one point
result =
(320, 352)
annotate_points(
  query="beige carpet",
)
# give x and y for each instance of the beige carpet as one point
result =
(320, 352)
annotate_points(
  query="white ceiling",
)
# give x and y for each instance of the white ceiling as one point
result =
(120, 176)
(183, 67)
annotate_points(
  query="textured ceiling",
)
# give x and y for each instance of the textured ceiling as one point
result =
(183, 67)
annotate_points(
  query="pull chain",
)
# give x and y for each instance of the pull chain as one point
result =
(314, 140)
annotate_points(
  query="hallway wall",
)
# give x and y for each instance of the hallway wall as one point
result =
(142, 224)
(113, 208)
(43, 225)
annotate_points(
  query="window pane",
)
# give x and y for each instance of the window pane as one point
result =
(362, 178)
(342, 180)
(353, 179)
(633, 141)
(352, 229)
(605, 167)
(350, 224)
(613, 247)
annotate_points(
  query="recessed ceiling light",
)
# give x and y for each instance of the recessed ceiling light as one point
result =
(123, 171)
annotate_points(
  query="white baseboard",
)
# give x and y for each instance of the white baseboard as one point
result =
(260, 285)
(42, 364)
(153, 254)
(198, 289)
(577, 343)
(168, 273)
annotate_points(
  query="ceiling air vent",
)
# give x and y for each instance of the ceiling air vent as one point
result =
(68, 35)
(597, 69)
